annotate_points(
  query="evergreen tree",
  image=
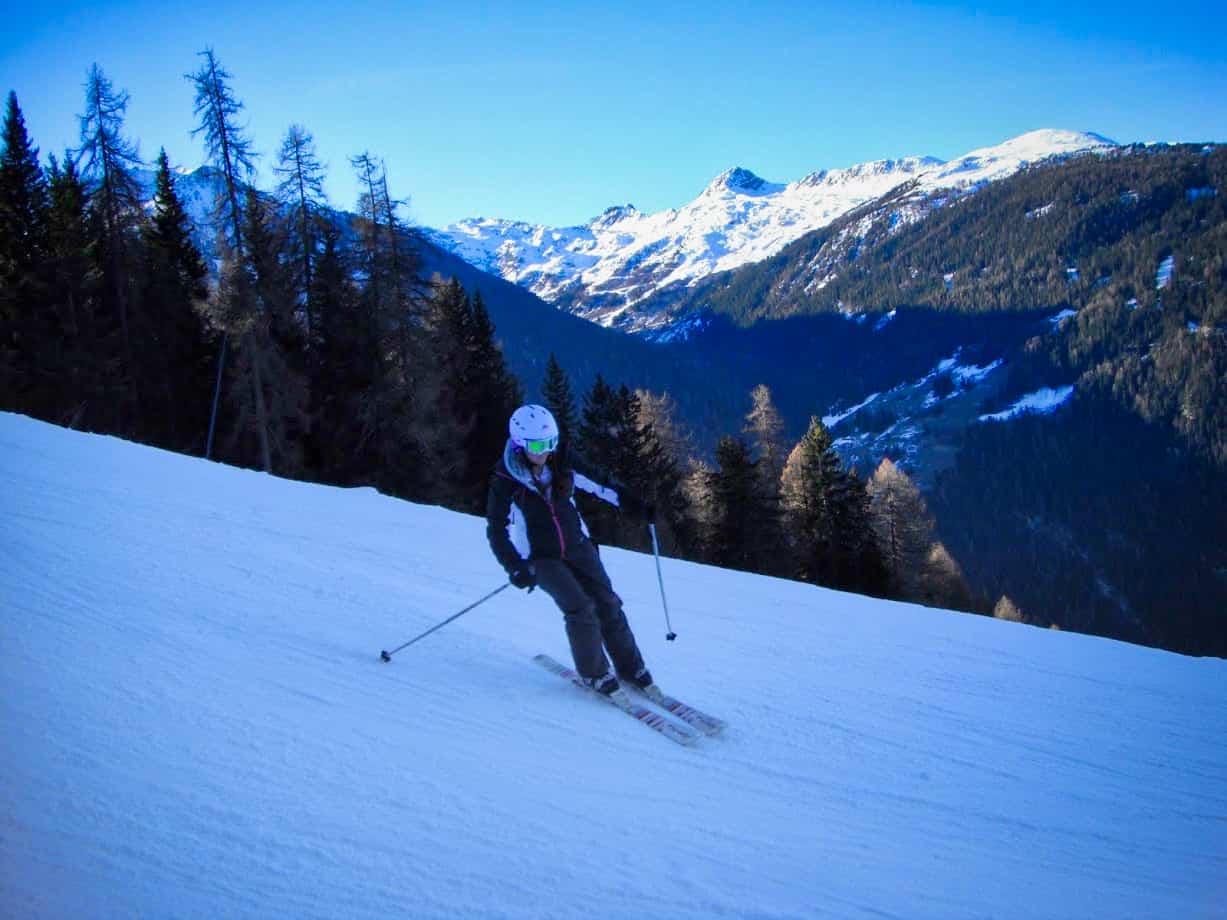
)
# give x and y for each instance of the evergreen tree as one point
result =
(496, 394)
(23, 252)
(559, 398)
(667, 455)
(73, 378)
(810, 480)
(856, 561)
(454, 418)
(173, 293)
(339, 373)
(601, 428)
(598, 426)
(738, 530)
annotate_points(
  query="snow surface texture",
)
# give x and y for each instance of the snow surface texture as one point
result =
(625, 256)
(194, 723)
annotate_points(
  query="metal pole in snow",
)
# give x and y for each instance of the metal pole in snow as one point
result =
(669, 634)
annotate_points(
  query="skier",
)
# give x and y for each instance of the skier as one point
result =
(539, 537)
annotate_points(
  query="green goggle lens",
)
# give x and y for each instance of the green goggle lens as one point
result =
(541, 445)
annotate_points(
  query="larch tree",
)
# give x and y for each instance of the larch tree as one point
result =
(301, 193)
(108, 163)
(903, 527)
(217, 110)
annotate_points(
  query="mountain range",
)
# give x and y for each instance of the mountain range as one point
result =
(624, 267)
(979, 313)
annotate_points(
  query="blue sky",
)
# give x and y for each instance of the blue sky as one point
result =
(551, 112)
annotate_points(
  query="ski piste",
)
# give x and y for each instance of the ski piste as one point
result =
(680, 734)
(707, 724)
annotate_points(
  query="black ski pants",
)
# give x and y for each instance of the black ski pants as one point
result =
(592, 613)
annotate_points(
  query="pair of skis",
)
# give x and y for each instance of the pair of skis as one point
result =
(693, 724)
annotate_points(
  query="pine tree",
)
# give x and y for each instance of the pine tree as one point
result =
(736, 523)
(337, 369)
(668, 454)
(809, 493)
(23, 252)
(856, 561)
(454, 417)
(73, 377)
(173, 293)
(559, 399)
(598, 426)
(601, 426)
(496, 393)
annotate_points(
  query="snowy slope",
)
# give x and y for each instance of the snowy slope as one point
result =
(603, 268)
(194, 723)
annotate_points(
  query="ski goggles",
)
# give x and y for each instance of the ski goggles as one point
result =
(541, 445)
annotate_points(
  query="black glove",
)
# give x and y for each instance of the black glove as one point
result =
(649, 512)
(523, 576)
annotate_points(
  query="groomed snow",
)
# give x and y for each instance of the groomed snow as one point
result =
(194, 723)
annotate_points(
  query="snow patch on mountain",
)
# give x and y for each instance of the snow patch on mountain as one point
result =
(1043, 400)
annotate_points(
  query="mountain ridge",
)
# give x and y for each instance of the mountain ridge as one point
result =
(607, 268)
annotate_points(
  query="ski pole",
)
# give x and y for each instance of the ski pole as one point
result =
(669, 634)
(387, 656)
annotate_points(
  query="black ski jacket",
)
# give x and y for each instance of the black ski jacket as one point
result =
(526, 520)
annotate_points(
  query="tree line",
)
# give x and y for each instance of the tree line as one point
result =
(313, 348)
(764, 505)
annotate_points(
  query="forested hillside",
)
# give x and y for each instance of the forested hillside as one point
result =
(1106, 515)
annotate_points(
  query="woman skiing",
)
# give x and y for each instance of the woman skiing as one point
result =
(539, 537)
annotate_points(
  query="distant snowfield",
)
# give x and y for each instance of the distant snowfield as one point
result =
(194, 723)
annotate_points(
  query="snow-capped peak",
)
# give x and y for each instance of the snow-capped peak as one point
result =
(741, 181)
(611, 216)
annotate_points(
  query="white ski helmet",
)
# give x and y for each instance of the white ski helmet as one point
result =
(533, 429)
